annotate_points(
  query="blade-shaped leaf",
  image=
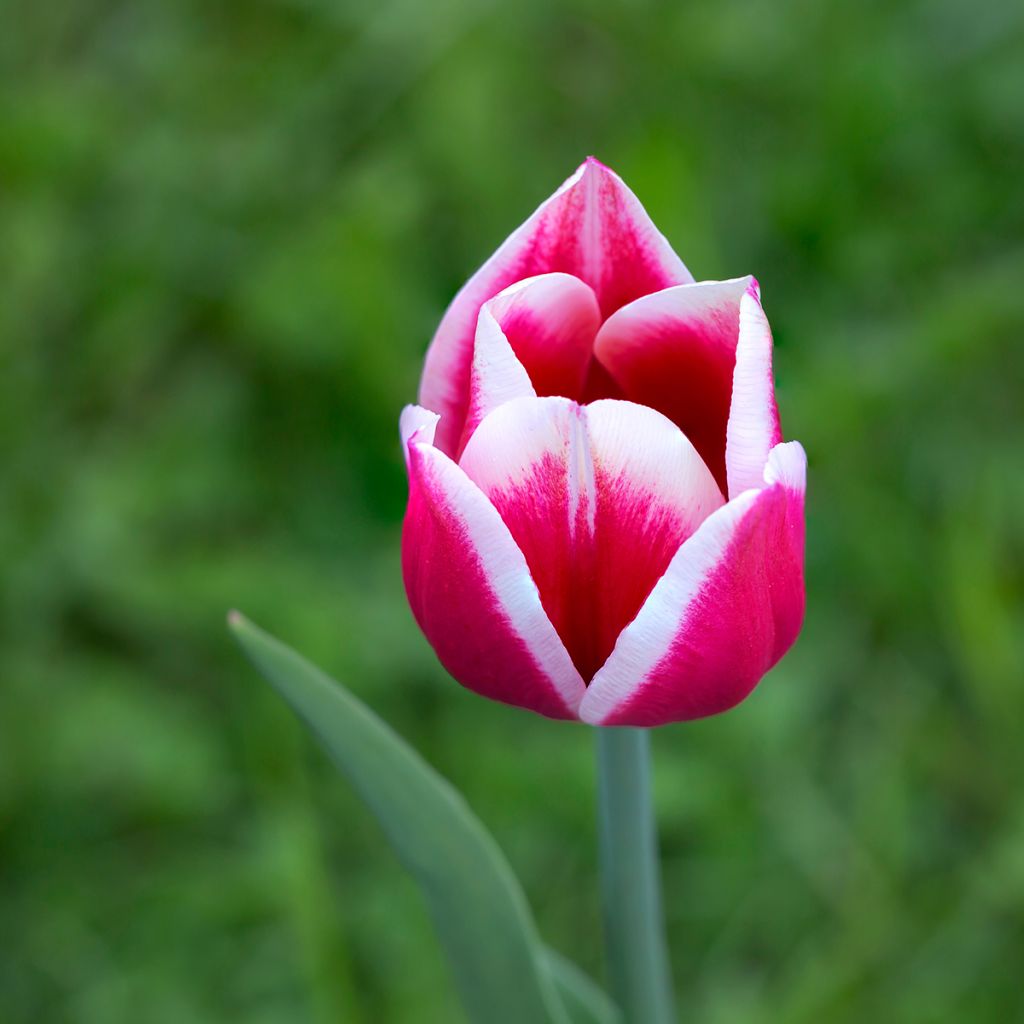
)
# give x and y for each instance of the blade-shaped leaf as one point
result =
(585, 1001)
(475, 902)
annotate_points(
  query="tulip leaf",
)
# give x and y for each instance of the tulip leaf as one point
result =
(585, 1001)
(476, 904)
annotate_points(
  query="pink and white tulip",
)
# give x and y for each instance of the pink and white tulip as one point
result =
(604, 523)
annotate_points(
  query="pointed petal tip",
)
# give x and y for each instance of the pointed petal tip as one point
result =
(787, 465)
(593, 171)
(593, 164)
(753, 428)
(417, 424)
(593, 227)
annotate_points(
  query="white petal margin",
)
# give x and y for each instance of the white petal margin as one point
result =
(701, 308)
(647, 640)
(416, 424)
(550, 321)
(550, 297)
(787, 465)
(497, 377)
(753, 428)
(504, 567)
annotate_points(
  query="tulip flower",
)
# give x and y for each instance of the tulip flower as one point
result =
(604, 522)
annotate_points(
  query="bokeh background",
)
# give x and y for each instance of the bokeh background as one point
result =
(227, 231)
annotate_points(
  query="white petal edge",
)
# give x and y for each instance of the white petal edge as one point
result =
(498, 376)
(507, 574)
(416, 424)
(686, 303)
(753, 426)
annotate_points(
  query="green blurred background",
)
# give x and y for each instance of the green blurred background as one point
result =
(227, 231)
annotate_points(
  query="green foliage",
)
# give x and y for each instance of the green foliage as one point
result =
(475, 902)
(585, 1001)
(226, 233)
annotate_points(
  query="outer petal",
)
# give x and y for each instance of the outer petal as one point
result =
(594, 228)
(472, 595)
(728, 607)
(754, 427)
(416, 424)
(675, 351)
(598, 499)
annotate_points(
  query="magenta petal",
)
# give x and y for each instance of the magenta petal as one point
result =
(471, 592)
(675, 351)
(728, 607)
(593, 228)
(535, 337)
(550, 322)
(598, 499)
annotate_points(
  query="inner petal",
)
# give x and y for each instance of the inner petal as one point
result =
(598, 498)
(675, 351)
(550, 321)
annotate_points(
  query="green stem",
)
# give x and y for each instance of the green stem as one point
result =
(630, 881)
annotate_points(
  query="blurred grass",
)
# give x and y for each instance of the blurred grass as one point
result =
(226, 233)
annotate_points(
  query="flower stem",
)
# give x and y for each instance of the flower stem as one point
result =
(630, 880)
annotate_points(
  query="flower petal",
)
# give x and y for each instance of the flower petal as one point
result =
(498, 376)
(728, 607)
(675, 351)
(598, 499)
(550, 322)
(594, 228)
(471, 593)
(535, 337)
(754, 428)
(416, 424)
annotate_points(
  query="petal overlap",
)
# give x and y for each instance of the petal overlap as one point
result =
(472, 594)
(679, 351)
(550, 321)
(728, 607)
(534, 338)
(497, 375)
(598, 499)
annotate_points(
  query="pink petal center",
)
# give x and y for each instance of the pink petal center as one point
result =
(598, 499)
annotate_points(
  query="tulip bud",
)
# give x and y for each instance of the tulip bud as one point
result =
(604, 523)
